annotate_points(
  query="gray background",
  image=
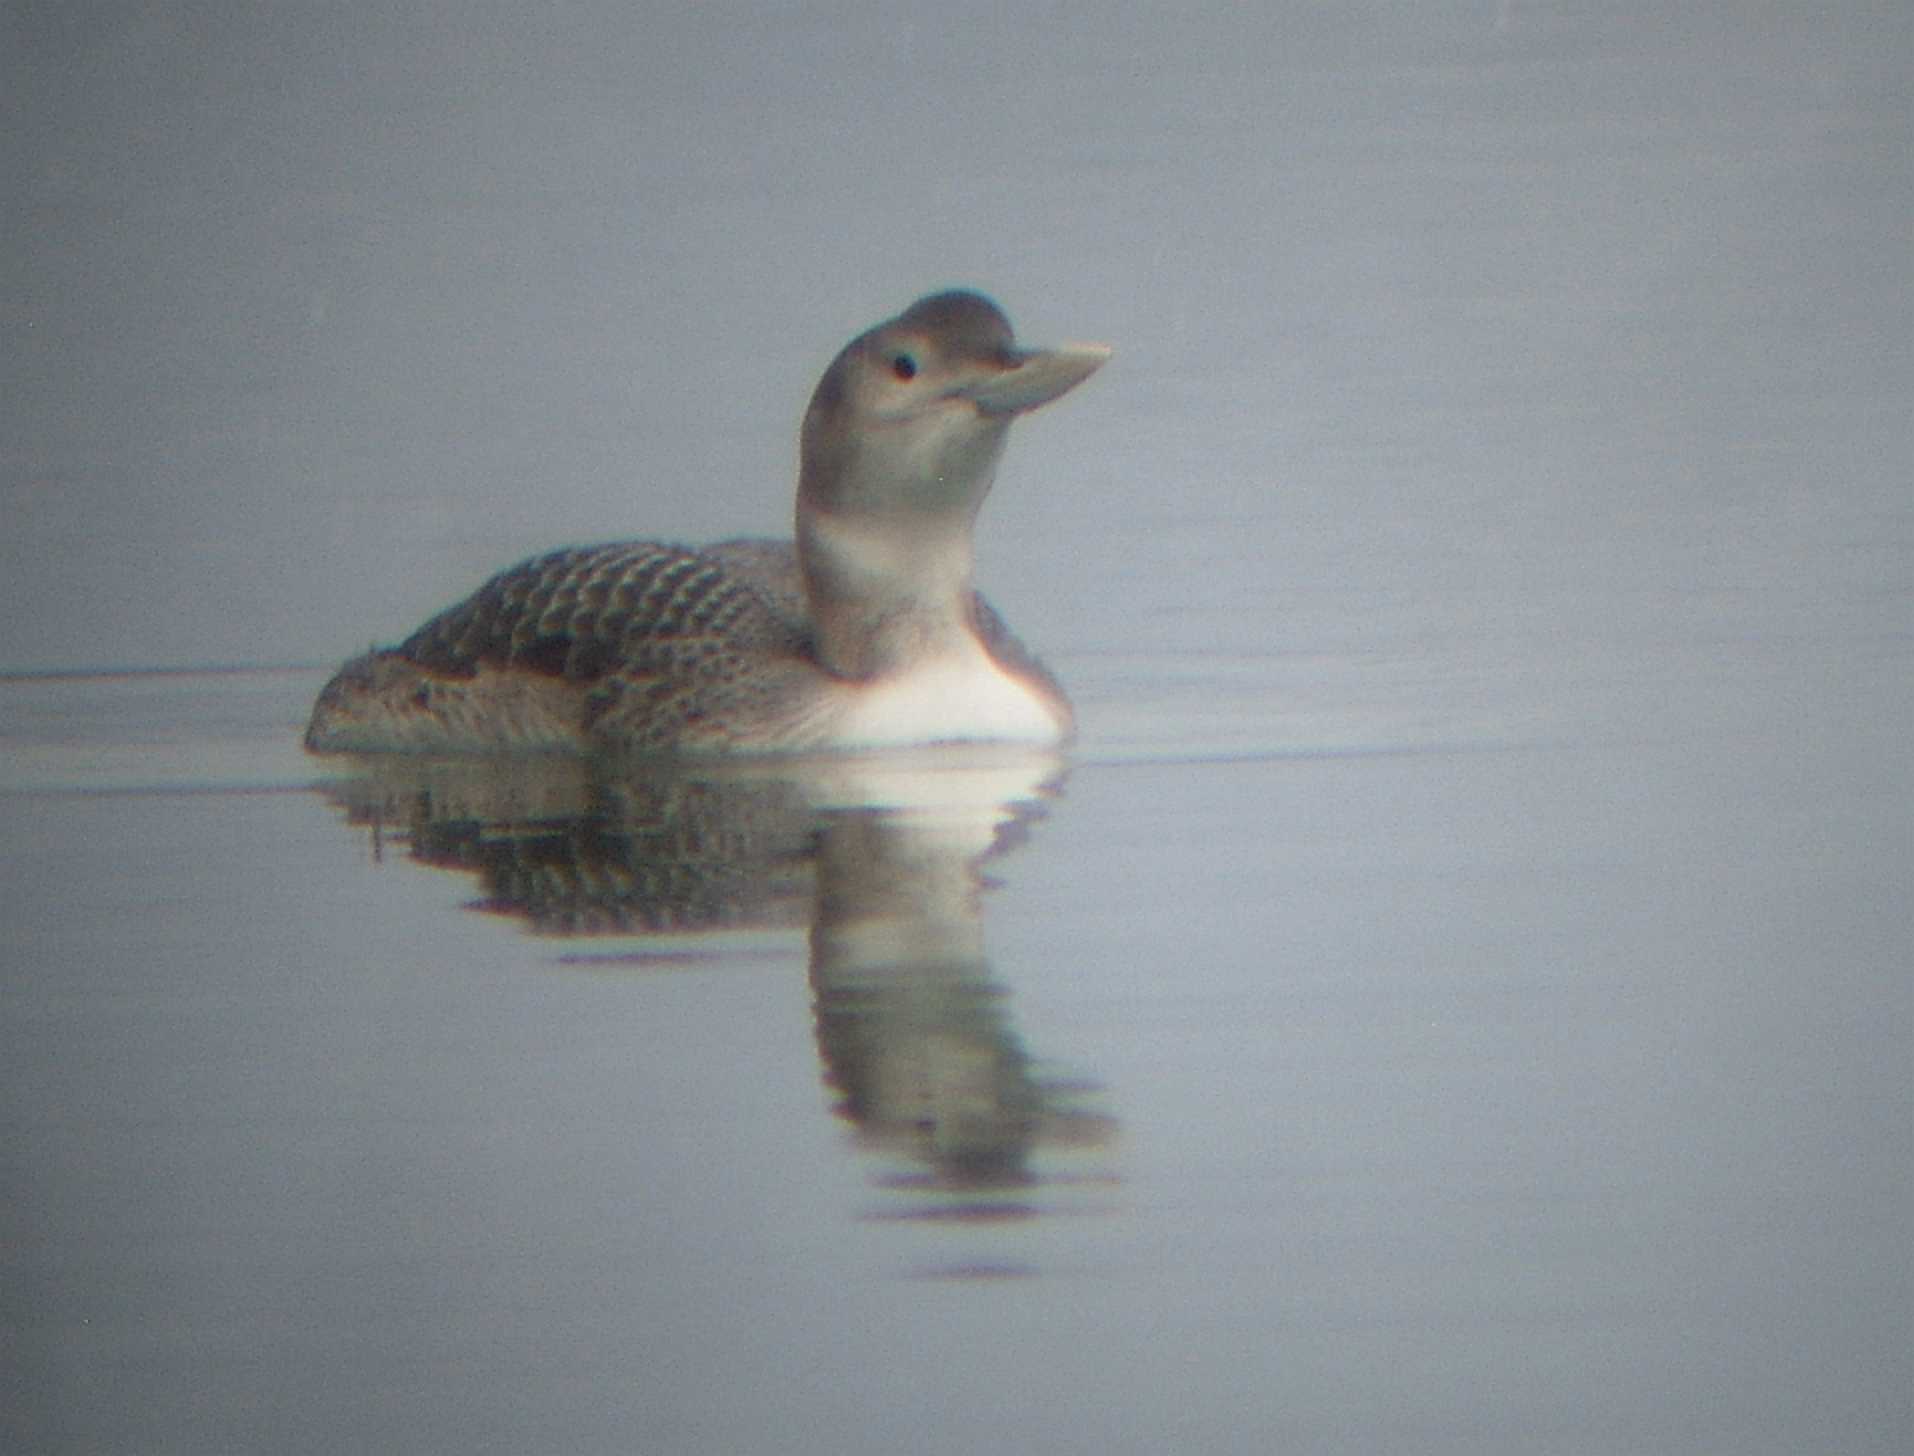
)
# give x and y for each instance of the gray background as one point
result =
(315, 314)
(1485, 574)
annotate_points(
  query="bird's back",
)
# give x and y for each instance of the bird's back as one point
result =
(584, 612)
(636, 644)
(659, 645)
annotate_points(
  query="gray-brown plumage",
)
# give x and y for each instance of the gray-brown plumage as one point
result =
(865, 631)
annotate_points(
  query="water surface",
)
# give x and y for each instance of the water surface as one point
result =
(1455, 996)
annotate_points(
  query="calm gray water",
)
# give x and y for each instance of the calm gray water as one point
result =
(1455, 997)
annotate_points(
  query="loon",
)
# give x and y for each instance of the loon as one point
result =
(863, 633)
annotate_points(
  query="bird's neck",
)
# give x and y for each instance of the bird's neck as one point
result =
(885, 595)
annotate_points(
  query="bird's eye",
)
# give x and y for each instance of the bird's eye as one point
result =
(903, 366)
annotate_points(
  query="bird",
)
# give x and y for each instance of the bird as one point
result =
(863, 632)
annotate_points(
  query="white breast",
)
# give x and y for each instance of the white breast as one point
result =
(964, 697)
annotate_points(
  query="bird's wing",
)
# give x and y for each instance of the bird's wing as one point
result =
(583, 612)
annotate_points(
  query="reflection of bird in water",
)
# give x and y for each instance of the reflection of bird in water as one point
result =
(912, 1024)
(573, 852)
(911, 1021)
(864, 632)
